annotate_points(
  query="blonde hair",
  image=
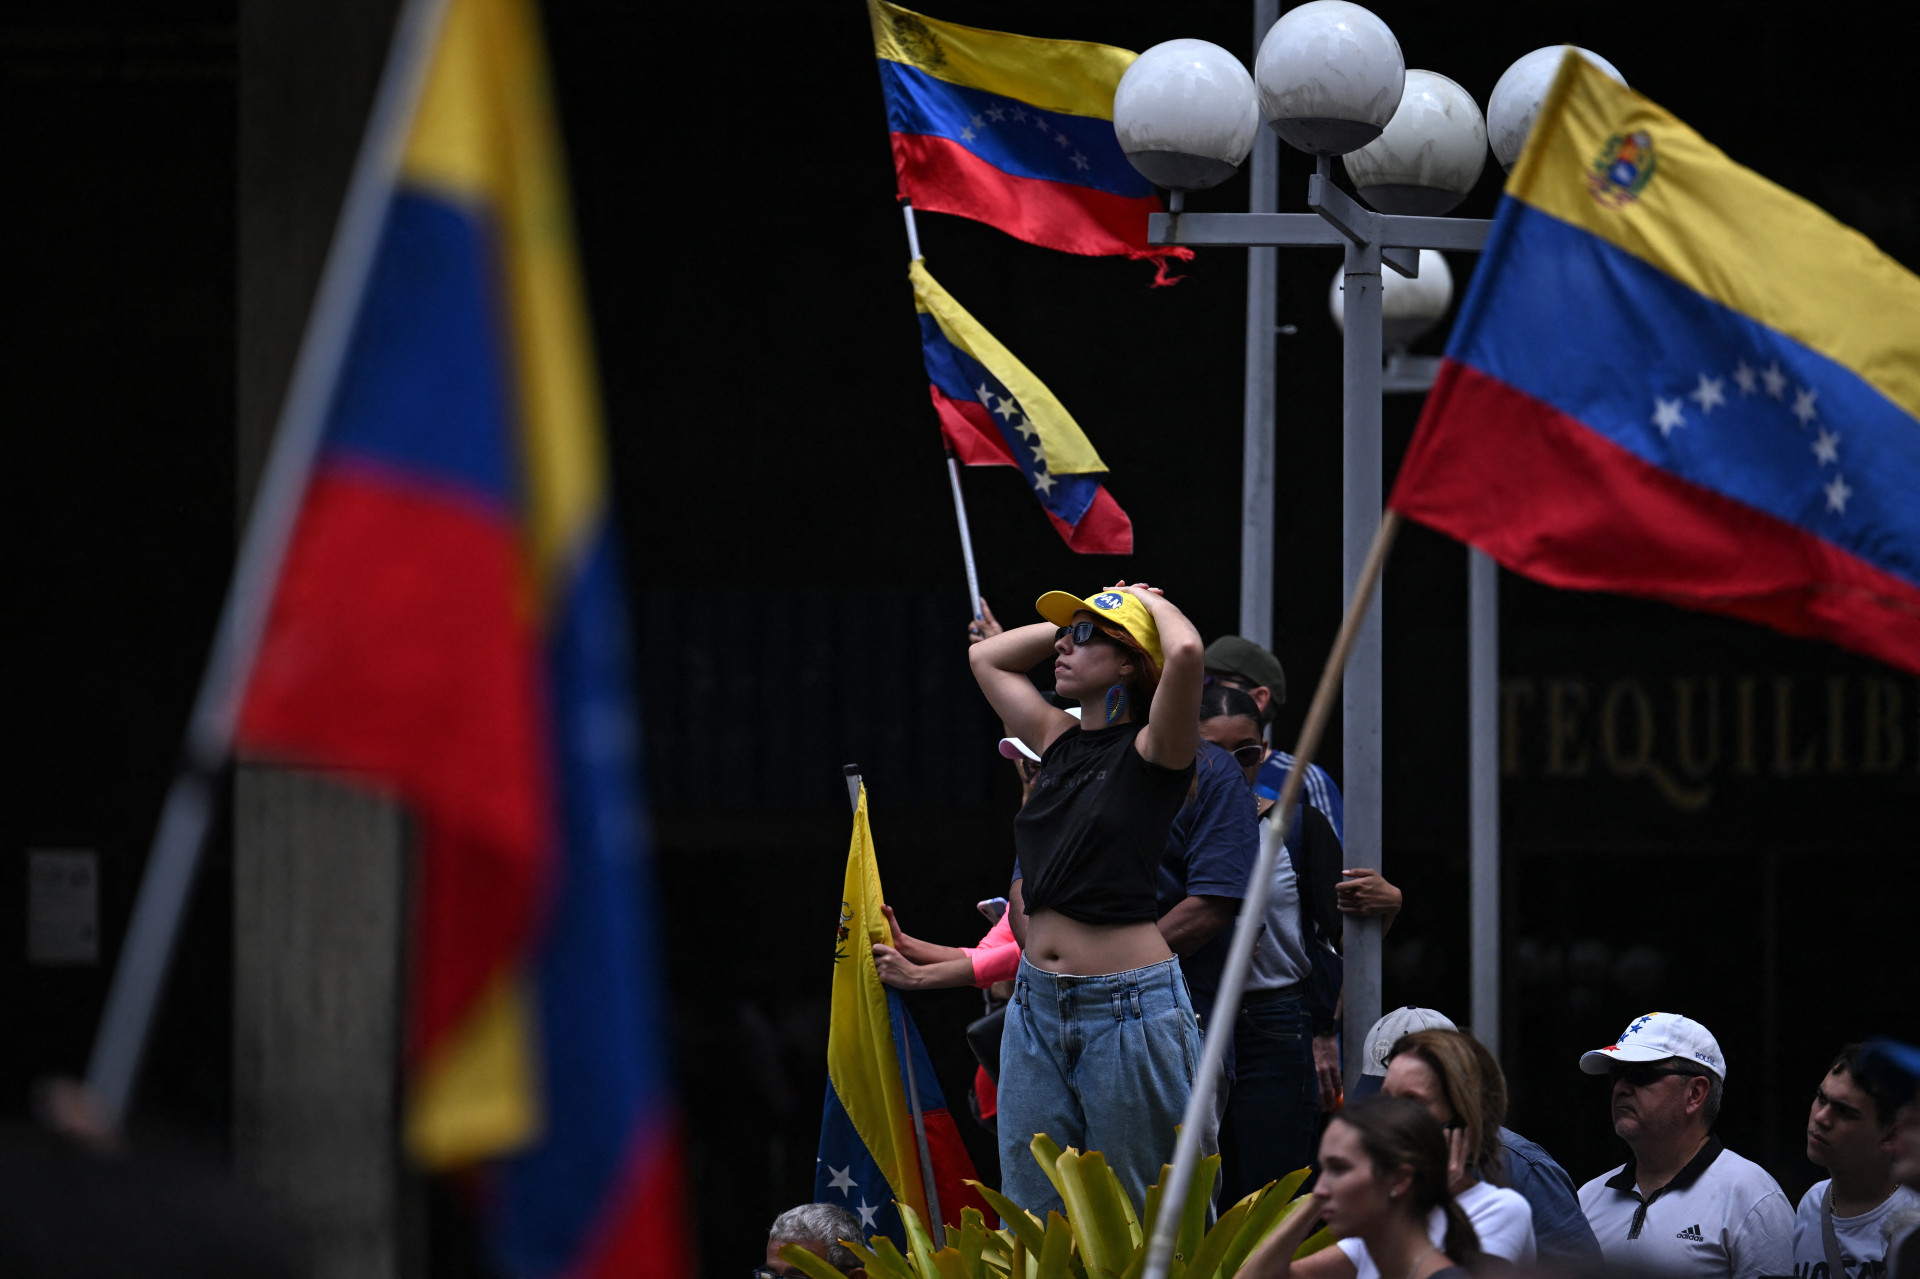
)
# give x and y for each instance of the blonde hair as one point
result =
(1457, 1069)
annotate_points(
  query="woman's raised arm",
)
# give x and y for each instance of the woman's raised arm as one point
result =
(1171, 738)
(1001, 663)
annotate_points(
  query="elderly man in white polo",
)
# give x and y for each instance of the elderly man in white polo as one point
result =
(1682, 1204)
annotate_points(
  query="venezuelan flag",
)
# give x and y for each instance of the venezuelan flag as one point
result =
(448, 625)
(869, 1157)
(996, 413)
(1673, 378)
(1014, 132)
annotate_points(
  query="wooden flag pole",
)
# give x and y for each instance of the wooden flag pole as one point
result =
(1226, 1005)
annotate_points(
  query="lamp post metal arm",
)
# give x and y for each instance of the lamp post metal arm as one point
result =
(1311, 230)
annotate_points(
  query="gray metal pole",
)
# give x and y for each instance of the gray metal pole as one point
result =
(1257, 451)
(174, 858)
(1483, 753)
(936, 1227)
(1360, 691)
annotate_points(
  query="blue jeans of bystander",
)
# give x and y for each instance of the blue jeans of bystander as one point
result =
(1102, 1063)
(1272, 1121)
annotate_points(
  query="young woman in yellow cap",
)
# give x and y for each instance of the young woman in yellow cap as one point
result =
(1100, 1045)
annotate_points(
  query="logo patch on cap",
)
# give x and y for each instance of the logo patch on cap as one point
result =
(1108, 600)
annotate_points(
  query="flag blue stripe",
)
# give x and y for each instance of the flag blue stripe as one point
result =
(960, 377)
(423, 388)
(842, 1156)
(1621, 346)
(1011, 136)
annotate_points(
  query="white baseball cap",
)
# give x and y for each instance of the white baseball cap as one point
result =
(1656, 1037)
(1388, 1030)
(1014, 748)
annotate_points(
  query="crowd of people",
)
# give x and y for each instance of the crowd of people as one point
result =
(1139, 829)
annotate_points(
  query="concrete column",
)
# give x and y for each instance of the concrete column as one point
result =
(319, 870)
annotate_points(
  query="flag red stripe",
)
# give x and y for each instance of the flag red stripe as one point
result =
(398, 648)
(942, 176)
(1551, 499)
(645, 1227)
(1103, 530)
(969, 428)
(952, 1169)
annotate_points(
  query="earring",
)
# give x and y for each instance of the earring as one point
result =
(1116, 702)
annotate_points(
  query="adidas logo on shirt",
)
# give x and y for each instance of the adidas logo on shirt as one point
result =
(1692, 1233)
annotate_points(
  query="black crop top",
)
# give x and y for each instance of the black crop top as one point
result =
(1092, 833)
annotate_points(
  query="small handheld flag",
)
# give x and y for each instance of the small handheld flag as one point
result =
(1672, 378)
(869, 1157)
(994, 412)
(1015, 132)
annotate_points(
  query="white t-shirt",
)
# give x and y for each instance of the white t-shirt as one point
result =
(1862, 1239)
(1722, 1217)
(1500, 1217)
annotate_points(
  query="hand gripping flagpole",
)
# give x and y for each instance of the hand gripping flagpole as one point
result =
(1226, 1004)
(953, 464)
(937, 1227)
(187, 812)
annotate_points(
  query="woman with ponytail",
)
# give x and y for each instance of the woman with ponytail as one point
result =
(1383, 1194)
(1100, 1045)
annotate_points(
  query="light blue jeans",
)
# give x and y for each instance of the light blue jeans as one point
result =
(1101, 1063)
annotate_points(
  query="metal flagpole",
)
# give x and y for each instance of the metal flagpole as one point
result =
(953, 464)
(1226, 1004)
(1483, 754)
(1258, 448)
(187, 812)
(937, 1227)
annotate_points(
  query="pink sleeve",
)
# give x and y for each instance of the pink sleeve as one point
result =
(997, 957)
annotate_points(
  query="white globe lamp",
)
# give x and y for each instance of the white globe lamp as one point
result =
(1430, 154)
(1408, 308)
(1330, 75)
(1185, 114)
(1517, 97)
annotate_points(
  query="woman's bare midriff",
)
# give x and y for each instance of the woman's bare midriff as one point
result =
(1058, 944)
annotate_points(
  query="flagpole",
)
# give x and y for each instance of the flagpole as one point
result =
(953, 464)
(187, 813)
(936, 1227)
(1226, 1004)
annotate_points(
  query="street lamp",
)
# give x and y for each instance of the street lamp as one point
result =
(1409, 308)
(1517, 97)
(1330, 79)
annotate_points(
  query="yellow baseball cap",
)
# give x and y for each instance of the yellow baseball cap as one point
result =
(1123, 608)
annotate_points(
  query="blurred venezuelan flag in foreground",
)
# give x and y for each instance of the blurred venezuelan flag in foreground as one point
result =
(869, 1156)
(1673, 378)
(448, 625)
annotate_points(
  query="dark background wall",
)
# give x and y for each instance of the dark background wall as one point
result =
(1674, 840)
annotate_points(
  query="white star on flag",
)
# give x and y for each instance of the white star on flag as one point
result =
(1040, 122)
(1827, 447)
(1776, 380)
(1044, 482)
(995, 114)
(1837, 494)
(1061, 138)
(841, 1180)
(977, 122)
(1803, 405)
(1039, 452)
(866, 1214)
(1743, 378)
(1667, 416)
(1079, 161)
(1026, 428)
(1007, 408)
(1707, 395)
(966, 134)
(1019, 116)
(984, 394)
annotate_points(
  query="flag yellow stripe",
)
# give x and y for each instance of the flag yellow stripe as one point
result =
(1068, 450)
(863, 1063)
(476, 1098)
(1070, 76)
(1726, 232)
(485, 135)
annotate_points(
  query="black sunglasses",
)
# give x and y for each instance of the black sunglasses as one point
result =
(1082, 632)
(1248, 756)
(1641, 1074)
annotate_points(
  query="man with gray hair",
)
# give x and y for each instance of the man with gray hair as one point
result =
(1682, 1204)
(818, 1228)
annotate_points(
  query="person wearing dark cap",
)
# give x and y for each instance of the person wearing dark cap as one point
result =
(1890, 1065)
(1682, 1204)
(1101, 1044)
